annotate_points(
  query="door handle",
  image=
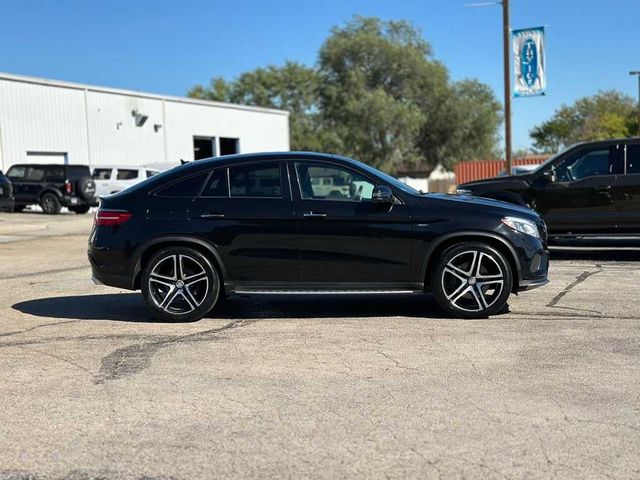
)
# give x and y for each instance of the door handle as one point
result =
(314, 215)
(212, 215)
(603, 188)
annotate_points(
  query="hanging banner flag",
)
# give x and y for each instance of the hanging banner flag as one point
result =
(529, 62)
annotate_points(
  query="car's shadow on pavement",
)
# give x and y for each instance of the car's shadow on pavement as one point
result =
(130, 307)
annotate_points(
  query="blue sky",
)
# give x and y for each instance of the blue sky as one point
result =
(166, 46)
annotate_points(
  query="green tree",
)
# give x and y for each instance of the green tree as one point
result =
(379, 95)
(391, 103)
(292, 87)
(605, 115)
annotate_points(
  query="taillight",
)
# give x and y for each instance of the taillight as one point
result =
(68, 187)
(110, 218)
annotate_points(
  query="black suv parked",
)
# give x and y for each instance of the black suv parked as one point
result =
(272, 224)
(6, 194)
(591, 189)
(53, 187)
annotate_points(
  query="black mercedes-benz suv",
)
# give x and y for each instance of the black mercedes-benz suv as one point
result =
(591, 189)
(53, 187)
(308, 223)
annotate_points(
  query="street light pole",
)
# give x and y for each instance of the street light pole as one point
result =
(637, 74)
(506, 39)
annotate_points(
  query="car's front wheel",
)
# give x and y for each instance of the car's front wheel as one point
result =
(180, 284)
(472, 280)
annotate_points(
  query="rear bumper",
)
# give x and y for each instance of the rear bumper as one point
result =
(103, 274)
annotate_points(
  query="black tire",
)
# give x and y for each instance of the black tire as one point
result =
(86, 188)
(18, 208)
(166, 289)
(81, 209)
(50, 204)
(472, 280)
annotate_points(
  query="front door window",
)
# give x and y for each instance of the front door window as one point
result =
(328, 182)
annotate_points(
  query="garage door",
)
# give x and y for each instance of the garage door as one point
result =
(47, 157)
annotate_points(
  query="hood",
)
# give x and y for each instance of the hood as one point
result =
(522, 177)
(506, 207)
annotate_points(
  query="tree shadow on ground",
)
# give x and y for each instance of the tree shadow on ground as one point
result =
(130, 307)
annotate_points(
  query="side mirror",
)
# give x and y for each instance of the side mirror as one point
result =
(382, 195)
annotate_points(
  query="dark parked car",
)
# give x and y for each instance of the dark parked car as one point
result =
(262, 224)
(6, 194)
(53, 187)
(591, 189)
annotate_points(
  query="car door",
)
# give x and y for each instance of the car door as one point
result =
(627, 190)
(245, 211)
(578, 197)
(344, 237)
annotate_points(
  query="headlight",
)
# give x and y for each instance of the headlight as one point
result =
(522, 225)
(463, 191)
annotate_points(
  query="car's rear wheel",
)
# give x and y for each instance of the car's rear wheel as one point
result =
(50, 204)
(180, 284)
(472, 280)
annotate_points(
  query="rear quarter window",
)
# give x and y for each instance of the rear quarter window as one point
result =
(188, 187)
(76, 172)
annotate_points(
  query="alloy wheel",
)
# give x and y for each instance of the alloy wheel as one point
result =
(472, 281)
(178, 284)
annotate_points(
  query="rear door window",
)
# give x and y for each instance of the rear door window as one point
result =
(35, 174)
(126, 174)
(256, 180)
(186, 188)
(102, 173)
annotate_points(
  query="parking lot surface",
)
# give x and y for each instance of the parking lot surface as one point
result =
(92, 387)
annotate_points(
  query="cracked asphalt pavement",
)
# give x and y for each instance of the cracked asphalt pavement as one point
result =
(91, 387)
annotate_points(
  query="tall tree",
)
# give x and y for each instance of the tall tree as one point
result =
(605, 115)
(379, 95)
(292, 87)
(391, 103)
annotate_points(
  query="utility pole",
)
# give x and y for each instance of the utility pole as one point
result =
(506, 52)
(637, 74)
(506, 39)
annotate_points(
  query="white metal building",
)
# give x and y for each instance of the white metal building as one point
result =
(49, 121)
